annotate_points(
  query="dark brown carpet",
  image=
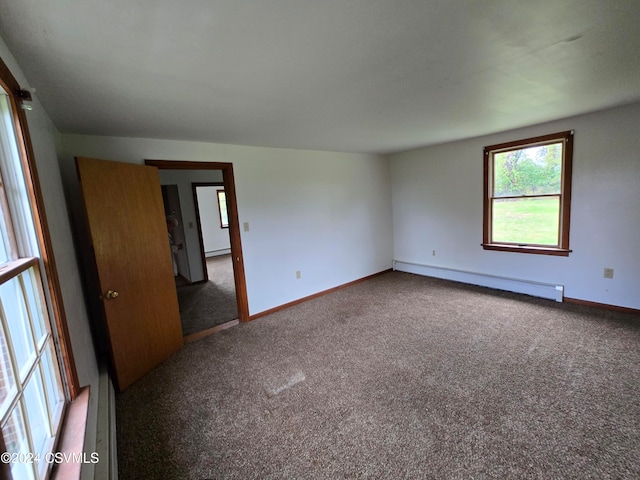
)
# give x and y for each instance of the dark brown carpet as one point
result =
(206, 305)
(400, 376)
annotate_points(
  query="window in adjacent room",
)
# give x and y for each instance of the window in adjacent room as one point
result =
(32, 398)
(222, 209)
(527, 195)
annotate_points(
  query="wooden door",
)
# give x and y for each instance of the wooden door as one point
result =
(128, 232)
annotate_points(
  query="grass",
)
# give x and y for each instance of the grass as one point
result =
(526, 221)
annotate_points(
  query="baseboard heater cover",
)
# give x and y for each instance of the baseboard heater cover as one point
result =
(107, 467)
(528, 287)
(217, 253)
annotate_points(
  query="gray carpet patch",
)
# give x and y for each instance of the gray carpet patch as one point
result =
(274, 386)
(398, 377)
(206, 305)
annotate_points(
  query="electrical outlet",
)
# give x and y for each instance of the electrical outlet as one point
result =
(608, 273)
(433, 252)
(246, 226)
(298, 275)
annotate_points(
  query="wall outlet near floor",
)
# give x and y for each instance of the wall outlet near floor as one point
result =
(608, 273)
(433, 252)
(298, 276)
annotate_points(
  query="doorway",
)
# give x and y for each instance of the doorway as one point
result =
(212, 218)
(211, 302)
(235, 246)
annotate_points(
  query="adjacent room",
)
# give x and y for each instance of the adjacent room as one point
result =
(364, 239)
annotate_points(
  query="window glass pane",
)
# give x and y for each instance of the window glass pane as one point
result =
(528, 171)
(37, 412)
(8, 249)
(8, 388)
(15, 439)
(222, 205)
(5, 246)
(15, 185)
(52, 383)
(15, 311)
(526, 220)
(35, 305)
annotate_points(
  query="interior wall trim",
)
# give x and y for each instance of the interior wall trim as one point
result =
(603, 306)
(315, 295)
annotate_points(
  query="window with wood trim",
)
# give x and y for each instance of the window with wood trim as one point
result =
(527, 195)
(222, 209)
(32, 382)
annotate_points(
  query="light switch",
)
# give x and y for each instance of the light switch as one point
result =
(245, 226)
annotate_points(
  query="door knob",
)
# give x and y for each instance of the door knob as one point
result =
(111, 294)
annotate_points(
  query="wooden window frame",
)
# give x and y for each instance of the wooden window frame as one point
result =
(16, 97)
(71, 430)
(562, 249)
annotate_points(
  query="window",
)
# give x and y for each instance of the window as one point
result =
(32, 398)
(222, 209)
(527, 195)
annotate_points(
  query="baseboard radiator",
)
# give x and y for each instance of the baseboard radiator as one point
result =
(216, 253)
(106, 445)
(535, 289)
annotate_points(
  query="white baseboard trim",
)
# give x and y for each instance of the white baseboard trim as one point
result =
(535, 289)
(106, 445)
(217, 253)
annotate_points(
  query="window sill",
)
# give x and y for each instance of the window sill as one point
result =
(560, 252)
(72, 437)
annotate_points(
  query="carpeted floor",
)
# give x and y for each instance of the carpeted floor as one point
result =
(209, 304)
(400, 376)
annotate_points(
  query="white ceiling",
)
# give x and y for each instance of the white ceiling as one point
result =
(344, 75)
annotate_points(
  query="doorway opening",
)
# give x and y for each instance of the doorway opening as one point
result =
(211, 302)
(194, 243)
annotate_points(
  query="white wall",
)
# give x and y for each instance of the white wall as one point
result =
(183, 179)
(437, 205)
(44, 138)
(326, 214)
(215, 238)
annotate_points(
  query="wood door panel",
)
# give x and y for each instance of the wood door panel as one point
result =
(126, 220)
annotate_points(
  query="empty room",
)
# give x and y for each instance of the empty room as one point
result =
(426, 221)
